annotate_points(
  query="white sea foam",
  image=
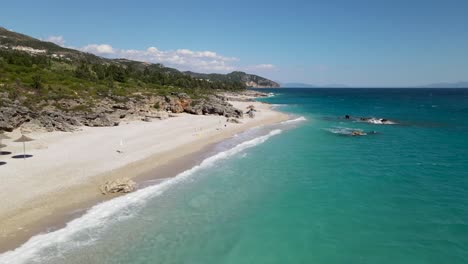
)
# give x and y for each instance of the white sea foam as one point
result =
(345, 131)
(85, 229)
(299, 119)
(276, 106)
(378, 121)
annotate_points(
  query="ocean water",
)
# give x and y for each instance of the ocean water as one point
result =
(305, 191)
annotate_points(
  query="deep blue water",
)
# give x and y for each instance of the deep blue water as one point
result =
(311, 194)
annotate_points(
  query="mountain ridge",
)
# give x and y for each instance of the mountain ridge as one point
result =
(21, 42)
(307, 85)
(461, 84)
(251, 80)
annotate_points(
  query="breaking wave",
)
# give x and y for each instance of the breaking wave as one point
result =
(86, 229)
(377, 121)
(346, 131)
(299, 119)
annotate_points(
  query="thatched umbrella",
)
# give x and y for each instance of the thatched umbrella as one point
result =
(24, 139)
(251, 107)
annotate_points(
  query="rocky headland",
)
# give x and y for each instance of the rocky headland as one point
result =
(69, 114)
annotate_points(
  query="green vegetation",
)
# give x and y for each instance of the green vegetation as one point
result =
(235, 76)
(43, 77)
(41, 73)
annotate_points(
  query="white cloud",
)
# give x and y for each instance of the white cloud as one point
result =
(262, 67)
(184, 52)
(101, 49)
(183, 59)
(59, 40)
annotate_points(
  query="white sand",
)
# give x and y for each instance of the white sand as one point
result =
(34, 188)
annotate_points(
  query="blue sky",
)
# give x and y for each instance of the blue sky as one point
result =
(352, 42)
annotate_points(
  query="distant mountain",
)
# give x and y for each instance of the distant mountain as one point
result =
(306, 85)
(447, 85)
(297, 85)
(249, 80)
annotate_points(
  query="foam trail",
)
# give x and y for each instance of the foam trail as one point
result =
(100, 216)
(378, 121)
(344, 131)
(299, 119)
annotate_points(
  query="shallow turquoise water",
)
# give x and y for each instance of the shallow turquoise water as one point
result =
(309, 195)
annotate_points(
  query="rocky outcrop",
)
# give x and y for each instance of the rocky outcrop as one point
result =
(214, 105)
(53, 120)
(99, 119)
(173, 104)
(233, 120)
(13, 115)
(124, 185)
(68, 114)
(245, 96)
(249, 80)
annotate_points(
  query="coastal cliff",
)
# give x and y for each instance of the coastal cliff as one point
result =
(69, 114)
(249, 80)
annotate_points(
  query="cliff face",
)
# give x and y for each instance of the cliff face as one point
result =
(69, 114)
(254, 84)
(255, 81)
(250, 80)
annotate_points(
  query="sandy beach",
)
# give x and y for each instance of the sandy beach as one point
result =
(66, 170)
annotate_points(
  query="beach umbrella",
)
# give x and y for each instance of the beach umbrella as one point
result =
(251, 107)
(24, 139)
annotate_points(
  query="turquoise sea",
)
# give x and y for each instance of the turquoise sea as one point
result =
(299, 192)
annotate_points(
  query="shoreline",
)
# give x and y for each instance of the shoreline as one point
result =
(45, 212)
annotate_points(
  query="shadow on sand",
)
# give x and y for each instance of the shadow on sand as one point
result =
(2, 163)
(22, 156)
(5, 152)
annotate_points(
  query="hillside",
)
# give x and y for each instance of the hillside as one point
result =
(250, 80)
(12, 42)
(61, 87)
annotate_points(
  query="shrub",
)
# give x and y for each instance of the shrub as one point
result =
(37, 82)
(157, 106)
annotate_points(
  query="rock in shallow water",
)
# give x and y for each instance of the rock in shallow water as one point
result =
(124, 185)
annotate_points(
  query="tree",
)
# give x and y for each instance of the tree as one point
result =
(37, 81)
(83, 72)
